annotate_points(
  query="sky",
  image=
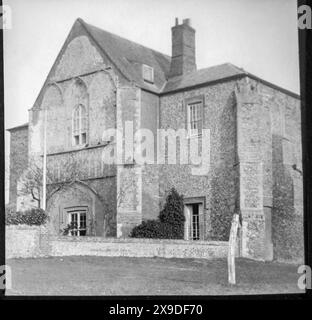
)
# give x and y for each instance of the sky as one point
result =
(258, 36)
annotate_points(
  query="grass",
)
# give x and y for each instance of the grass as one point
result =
(86, 275)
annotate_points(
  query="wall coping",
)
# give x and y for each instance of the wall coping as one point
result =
(43, 230)
(136, 240)
(25, 226)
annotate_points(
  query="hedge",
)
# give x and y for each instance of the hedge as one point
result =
(31, 217)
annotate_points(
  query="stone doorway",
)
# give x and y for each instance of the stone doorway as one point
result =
(194, 219)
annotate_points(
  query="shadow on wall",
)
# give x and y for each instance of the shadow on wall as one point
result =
(287, 225)
(223, 173)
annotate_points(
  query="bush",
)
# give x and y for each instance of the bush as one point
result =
(67, 230)
(173, 214)
(31, 217)
(147, 229)
(170, 224)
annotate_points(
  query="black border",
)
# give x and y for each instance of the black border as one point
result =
(2, 165)
(305, 61)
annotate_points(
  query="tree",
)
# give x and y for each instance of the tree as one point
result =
(173, 213)
(173, 208)
(31, 182)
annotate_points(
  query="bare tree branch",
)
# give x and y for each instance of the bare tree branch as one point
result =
(31, 182)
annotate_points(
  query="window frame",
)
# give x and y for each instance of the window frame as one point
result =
(79, 212)
(188, 104)
(200, 201)
(195, 224)
(147, 67)
(79, 126)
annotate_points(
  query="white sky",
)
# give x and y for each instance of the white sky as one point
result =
(259, 36)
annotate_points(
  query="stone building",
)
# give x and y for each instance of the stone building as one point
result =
(100, 82)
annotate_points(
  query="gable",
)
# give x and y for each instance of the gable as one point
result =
(130, 57)
(80, 57)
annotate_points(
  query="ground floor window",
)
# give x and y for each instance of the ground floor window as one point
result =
(195, 222)
(193, 219)
(78, 220)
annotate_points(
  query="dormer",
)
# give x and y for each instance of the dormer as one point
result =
(148, 73)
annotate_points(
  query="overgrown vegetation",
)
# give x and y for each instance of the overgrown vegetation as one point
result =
(31, 217)
(169, 225)
(70, 226)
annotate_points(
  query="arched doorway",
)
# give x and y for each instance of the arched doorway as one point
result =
(76, 203)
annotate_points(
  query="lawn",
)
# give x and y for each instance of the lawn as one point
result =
(86, 275)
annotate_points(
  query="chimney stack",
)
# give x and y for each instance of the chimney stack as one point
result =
(183, 48)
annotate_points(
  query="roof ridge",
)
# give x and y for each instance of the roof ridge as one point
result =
(122, 38)
(224, 64)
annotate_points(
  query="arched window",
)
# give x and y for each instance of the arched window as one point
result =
(80, 126)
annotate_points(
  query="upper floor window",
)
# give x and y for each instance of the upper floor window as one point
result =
(80, 126)
(148, 73)
(195, 117)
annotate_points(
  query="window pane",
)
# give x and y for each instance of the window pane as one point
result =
(148, 73)
(195, 222)
(83, 221)
(79, 125)
(83, 138)
(83, 124)
(195, 117)
(76, 138)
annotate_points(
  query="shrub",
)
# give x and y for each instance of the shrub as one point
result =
(170, 224)
(31, 217)
(70, 226)
(173, 214)
(147, 229)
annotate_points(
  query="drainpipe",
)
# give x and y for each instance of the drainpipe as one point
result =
(44, 173)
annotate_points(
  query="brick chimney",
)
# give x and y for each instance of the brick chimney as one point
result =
(183, 48)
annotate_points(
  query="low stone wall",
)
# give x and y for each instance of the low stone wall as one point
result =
(66, 246)
(23, 241)
(27, 241)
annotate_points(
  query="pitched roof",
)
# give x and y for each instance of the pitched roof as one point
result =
(212, 74)
(18, 127)
(129, 56)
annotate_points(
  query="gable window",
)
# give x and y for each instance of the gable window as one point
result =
(79, 126)
(195, 117)
(148, 73)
